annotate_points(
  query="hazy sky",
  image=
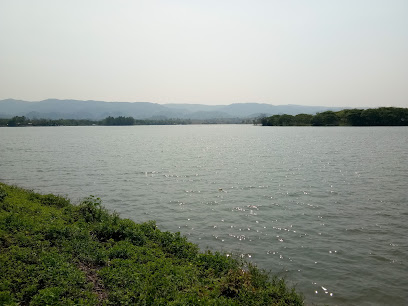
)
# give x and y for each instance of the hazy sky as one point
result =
(327, 52)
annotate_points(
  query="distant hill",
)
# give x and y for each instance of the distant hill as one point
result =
(96, 110)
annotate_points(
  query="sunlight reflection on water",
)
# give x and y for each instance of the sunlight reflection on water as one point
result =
(320, 206)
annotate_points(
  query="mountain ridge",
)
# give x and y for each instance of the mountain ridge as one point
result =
(96, 110)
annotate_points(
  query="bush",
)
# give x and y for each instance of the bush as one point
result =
(55, 253)
(49, 200)
(3, 194)
(91, 210)
(216, 263)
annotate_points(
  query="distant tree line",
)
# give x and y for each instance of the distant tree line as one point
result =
(24, 121)
(131, 121)
(382, 116)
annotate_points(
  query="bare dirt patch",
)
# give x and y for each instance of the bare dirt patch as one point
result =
(93, 277)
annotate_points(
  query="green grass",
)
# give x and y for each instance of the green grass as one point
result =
(56, 253)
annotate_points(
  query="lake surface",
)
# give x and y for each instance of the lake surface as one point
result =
(327, 208)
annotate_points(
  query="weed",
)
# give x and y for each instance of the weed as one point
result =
(56, 253)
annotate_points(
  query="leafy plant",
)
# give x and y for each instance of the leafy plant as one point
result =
(56, 253)
(3, 194)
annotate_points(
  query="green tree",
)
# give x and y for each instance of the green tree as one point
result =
(353, 117)
(325, 118)
(17, 121)
(370, 117)
(118, 121)
(286, 120)
(303, 119)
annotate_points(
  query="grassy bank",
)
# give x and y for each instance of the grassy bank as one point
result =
(56, 253)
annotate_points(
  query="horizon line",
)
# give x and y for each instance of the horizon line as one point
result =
(186, 103)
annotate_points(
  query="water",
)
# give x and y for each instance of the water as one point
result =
(326, 208)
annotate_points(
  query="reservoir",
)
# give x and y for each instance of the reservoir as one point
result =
(324, 207)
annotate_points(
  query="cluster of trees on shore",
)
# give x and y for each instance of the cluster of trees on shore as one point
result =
(131, 121)
(382, 116)
(24, 121)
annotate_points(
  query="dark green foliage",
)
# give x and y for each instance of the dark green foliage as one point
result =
(270, 121)
(328, 118)
(287, 120)
(17, 121)
(24, 121)
(131, 121)
(216, 264)
(3, 194)
(92, 211)
(118, 121)
(49, 199)
(176, 245)
(55, 253)
(353, 117)
(382, 116)
(111, 121)
(119, 230)
(3, 122)
(303, 119)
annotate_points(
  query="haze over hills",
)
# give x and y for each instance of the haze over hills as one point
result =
(96, 110)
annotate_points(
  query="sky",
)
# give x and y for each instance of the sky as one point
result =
(317, 52)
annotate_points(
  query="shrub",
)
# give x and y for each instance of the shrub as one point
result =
(91, 210)
(50, 200)
(3, 194)
(216, 263)
(55, 253)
